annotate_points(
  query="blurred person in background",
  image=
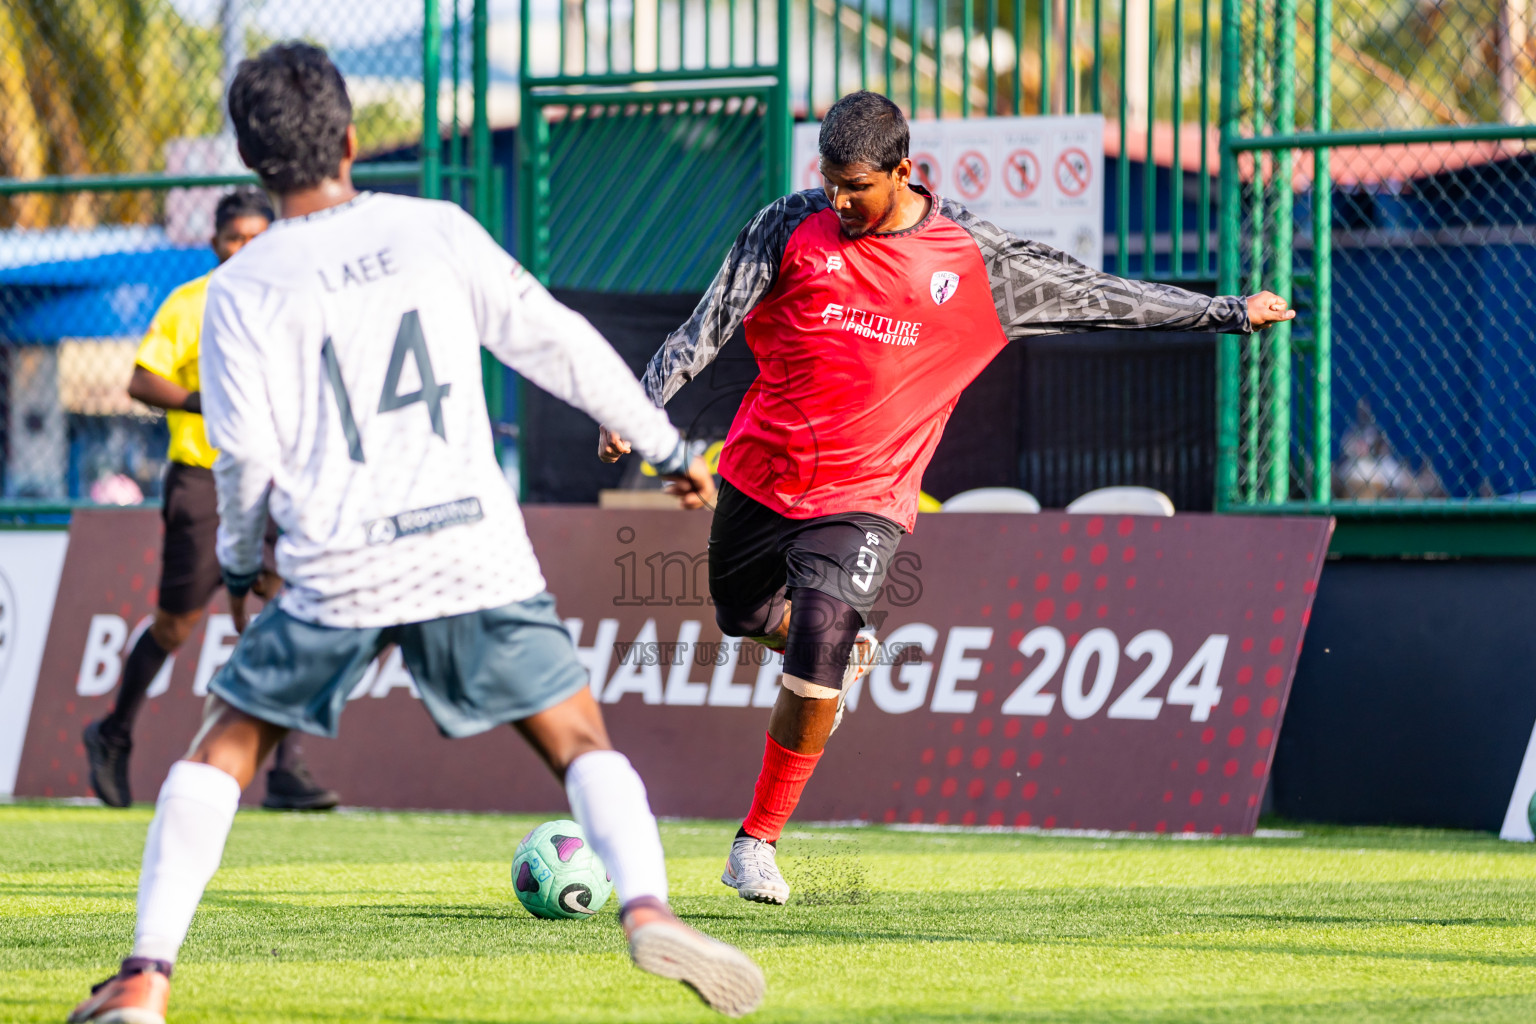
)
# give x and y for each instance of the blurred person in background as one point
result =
(165, 376)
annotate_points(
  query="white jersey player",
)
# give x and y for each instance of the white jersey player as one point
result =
(368, 438)
(341, 382)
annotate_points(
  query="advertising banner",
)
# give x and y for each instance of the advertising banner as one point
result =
(1046, 670)
(1041, 178)
(30, 561)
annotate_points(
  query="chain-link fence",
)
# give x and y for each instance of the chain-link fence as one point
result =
(1404, 230)
(114, 150)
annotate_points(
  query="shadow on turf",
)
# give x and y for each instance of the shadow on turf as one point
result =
(1444, 922)
(1296, 949)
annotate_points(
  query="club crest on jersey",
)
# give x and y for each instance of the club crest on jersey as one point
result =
(942, 286)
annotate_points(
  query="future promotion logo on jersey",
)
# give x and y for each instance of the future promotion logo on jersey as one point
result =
(942, 286)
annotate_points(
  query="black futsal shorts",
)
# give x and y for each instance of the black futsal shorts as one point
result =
(189, 560)
(756, 553)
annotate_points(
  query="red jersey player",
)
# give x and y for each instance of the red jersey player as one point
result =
(869, 305)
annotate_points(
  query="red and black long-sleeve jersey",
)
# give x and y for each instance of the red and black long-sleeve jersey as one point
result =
(863, 345)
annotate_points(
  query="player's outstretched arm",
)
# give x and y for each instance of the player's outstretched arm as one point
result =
(238, 416)
(553, 346)
(1046, 291)
(557, 349)
(1041, 290)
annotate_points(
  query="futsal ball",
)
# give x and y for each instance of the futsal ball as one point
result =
(556, 873)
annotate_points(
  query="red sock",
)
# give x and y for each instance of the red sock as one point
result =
(779, 786)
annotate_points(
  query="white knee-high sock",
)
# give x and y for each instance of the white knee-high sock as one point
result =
(182, 851)
(609, 802)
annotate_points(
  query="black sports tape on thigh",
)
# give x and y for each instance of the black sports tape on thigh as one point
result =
(822, 630)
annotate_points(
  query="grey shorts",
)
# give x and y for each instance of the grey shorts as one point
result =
(474, 671)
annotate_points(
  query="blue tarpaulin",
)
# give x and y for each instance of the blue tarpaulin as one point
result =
(109, 296)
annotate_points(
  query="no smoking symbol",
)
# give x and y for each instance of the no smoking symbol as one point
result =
(926, 170)
(971, 174)
(1073, 172)
(1021, 174)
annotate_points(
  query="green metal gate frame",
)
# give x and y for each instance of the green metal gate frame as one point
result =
(769, 82)
(537, 157)
(765, 81)
(1455, 527)
(467, 176)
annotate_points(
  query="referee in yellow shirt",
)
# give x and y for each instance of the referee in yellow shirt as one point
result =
(165, 376)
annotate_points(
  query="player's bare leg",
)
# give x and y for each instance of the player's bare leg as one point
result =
(182, 851)
(608, 799)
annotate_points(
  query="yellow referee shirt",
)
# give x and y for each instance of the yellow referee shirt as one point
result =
(169, 349)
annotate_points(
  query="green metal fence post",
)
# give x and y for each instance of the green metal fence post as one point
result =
(1176, 171)
(1322, 258)
(1018, 55)
(1123, 165)
(780, 179)
(863, 43)
(525, 142)
(1069, 58)
(1047, 29)
(1229, 225)
(1205, 136)
(991, 58)
(1149, 165)
(938, 57)
(967, 28)
(1253, 345)
(1098, 56)
(455, 135)
(431, 84)
(810, 60)
(480, 122)
(917, 51)
(837, 49)
(1280, 363)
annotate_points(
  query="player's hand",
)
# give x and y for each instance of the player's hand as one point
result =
(1268, 308)
(610, 445)
(694, 488)
(267, 585)
(238, 612)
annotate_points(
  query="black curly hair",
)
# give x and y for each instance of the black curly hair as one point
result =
(864, 128)
(290, 110)
(242, 202)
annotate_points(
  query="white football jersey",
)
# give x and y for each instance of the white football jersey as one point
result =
(341, 384)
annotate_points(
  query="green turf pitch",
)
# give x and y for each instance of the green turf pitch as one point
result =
(411, 918)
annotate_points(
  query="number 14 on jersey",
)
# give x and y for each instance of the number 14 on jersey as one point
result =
(409, 341)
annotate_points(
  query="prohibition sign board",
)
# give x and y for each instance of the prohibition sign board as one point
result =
(1021, 173)
(1073, 172)
(972, 174)
(813, 174)
(925, 168)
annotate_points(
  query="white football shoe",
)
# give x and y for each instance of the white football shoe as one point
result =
(860, 660)
(753, 872)
(722, 975)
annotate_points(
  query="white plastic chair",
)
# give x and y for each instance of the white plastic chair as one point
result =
(992, 499)
(1123, 501)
